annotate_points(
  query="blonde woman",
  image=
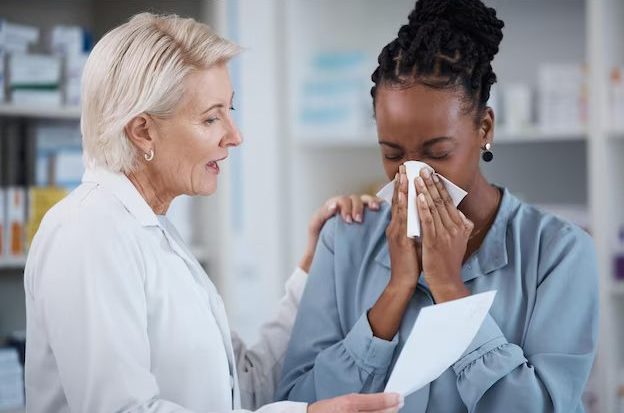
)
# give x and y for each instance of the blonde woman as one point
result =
(121, 317)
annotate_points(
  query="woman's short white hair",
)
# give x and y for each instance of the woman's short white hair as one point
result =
(139, 67)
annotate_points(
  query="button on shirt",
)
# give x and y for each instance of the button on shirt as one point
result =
(533, 352)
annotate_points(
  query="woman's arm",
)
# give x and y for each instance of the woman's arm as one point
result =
(260, 366)
(324, 360)
(89, 297)
(549, 370)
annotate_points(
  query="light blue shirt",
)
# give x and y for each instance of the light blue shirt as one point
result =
(533, 353)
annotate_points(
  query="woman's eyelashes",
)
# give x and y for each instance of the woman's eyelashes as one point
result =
(214, 118)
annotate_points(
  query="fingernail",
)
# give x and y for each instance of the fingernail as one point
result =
(396, 176)
(402, 179)
(348, 219)
(358, 218)
(426, 172)
(332, 206)
(435, 178)
(401, 401)
(420, 182)
(374, 205)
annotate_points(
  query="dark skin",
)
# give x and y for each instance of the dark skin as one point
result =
(433, 126)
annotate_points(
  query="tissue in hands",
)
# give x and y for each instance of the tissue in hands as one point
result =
(412, 169)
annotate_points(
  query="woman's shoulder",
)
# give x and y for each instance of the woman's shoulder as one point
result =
(554, 240)
(87, 210)
(545, 225)
(357, 236)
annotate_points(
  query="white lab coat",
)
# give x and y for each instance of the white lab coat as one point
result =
(121, 317)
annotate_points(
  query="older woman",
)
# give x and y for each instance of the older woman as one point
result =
(121, 317)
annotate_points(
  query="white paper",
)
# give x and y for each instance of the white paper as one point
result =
(413, 170)
(441, 334)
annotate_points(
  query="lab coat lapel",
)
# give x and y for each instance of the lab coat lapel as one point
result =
(216, 305)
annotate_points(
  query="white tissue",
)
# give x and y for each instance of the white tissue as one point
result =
(413, 170)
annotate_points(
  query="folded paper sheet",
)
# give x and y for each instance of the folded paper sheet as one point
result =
(413, 170)
(441, 334)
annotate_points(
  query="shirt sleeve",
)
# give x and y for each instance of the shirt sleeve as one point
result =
(323, 360)
(259, 367)
(548, 372)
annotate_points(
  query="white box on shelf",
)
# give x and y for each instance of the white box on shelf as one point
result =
(74, 65)
(562, 97)
(517, 104)
(11, 380)
(68, 40)
(16, 222)
(17, 37)
(332, 96)
(34, 70)
(33, 97)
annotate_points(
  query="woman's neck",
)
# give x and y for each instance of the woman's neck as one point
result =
(152, 190)
(480, 206)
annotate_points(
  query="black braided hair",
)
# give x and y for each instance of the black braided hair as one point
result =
(445, 44)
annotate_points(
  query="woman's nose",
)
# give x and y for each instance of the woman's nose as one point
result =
(232, 136)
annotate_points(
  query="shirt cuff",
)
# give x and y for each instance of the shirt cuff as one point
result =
(296, 284)
(487, 339)
(369, 352)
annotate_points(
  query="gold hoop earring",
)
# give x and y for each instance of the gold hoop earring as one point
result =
(149, 156)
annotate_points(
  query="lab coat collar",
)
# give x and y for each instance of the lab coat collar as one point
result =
(120, 186)
(490, 257)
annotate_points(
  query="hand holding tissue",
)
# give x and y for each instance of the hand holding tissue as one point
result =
(413, 170)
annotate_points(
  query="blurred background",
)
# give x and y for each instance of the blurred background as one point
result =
(303, 106)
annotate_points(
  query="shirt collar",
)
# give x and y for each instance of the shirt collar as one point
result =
(121, 188)
(493, 253)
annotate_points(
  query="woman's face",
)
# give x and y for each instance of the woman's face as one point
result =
(190, 144)
(420, 123)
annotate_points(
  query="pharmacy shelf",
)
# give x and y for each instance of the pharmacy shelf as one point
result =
(617, 288)
(617, 134)
(44, 112)
(12, 263)
(539, 136)
(370, 141)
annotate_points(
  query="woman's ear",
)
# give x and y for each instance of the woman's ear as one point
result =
(486, 127)
(139, 130)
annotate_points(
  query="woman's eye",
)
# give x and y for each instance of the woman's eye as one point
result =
(393, 157)
(439, 156)
(210, 121)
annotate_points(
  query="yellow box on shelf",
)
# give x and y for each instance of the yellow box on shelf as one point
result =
(41, 199)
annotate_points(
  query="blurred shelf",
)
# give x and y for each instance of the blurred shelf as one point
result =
(12, 263)
(501, 138)
(617, 133)
(617, 288)
(361, 141)
(43, 112)
(538, 136)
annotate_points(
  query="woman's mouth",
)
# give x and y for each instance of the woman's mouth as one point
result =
(213, 167)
